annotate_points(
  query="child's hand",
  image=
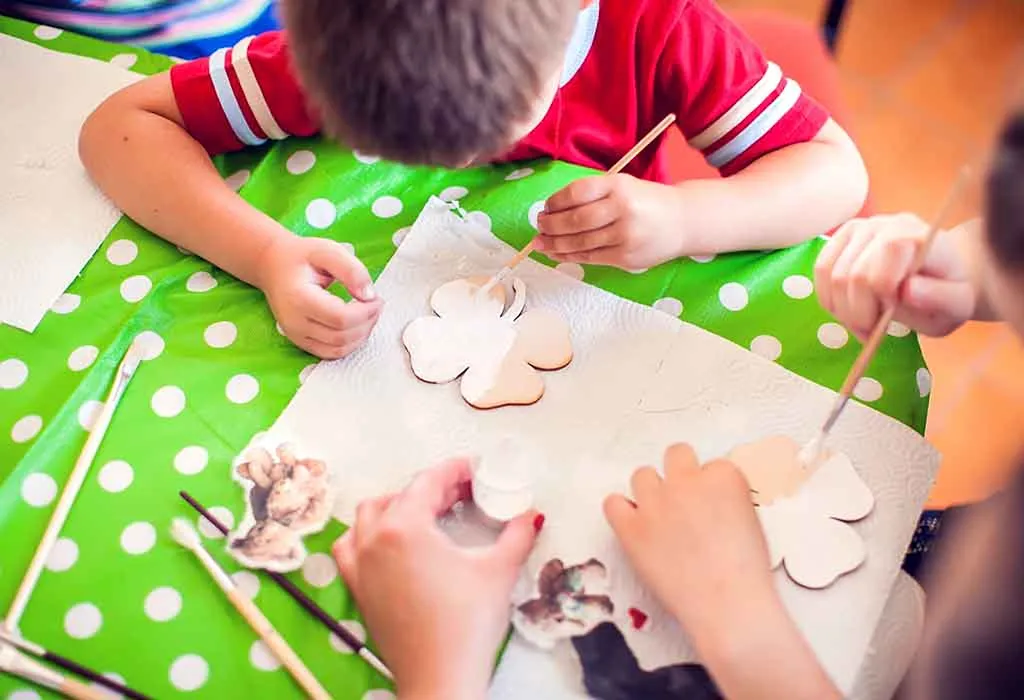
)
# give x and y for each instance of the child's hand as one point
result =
(865, 266)
(437, 611)
(694, 538)
(295, 273)
(614, 220)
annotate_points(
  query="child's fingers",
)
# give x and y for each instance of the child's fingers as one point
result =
(584, 191)
(842, 276)
(826, 261)
(327, 309)
(343, 266)
(516, 541)
(610, 256)
(345, 556)
(589, 217)
(580, 242)
(645, 484)
(436, 490)
(937, 306)
(338, 336)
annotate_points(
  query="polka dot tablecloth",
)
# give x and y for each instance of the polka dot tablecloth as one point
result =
(117, 594)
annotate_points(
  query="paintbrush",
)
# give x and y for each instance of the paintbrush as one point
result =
(125, 370)
(349, 639)
(519, 257)
(185, 535)
(15, 663)
(812, 451)
(68, 665)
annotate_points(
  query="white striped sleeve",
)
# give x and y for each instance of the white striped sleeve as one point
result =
(252, 91)
(228, 101)
(758, 128)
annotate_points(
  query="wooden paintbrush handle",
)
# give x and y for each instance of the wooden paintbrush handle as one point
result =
(80, 691)
(278, 647)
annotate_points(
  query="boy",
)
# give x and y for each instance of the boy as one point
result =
(453, 81)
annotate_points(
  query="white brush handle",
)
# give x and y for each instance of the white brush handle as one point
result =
(15, 663)
(67, 497)
(262, 626)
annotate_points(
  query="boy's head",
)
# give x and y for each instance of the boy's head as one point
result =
(1005, 225)
(430, 81)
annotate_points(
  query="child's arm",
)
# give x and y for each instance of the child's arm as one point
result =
(783, 198)
(866, 264)
(136, 148)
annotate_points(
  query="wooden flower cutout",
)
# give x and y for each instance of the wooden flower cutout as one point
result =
(568, 601)
(496, 350)
(804, 512)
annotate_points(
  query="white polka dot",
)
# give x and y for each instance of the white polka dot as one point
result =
(320, 213)
(574, 270)
(242, 388)
(247, 582)
(319, 570)
(300, 162)
(116, 476)
(38, 490)
(122, 252)
(277, 327)
(767, 346)
(637, 271)
(201, 282)
(237, 180)
(162, 604)
(519, 174)
(535, 209)
(669, 305)
(135, 288)
(88, 413)
(399, 236)
(124, 60)
(66, 303)
(191, 460)
(733, 296)
(868, 389)
(379, 694)
(797, 287)
(13, 373)
(151, 343)
(924, 382)
(63, 555)
(832, 335)
(365, 158)
(82, 357)
(168, 401)
(220, 334)
(386, 207)
(26, 429)
(702, 258)
(357, 631)
(261, 658)
(306, 371)
(189, 672)
(898, 330)
(24, 694)
(223, 515)
(478, 218)
(138, 538)
(450, 194)
(83, 621)
(46, 33)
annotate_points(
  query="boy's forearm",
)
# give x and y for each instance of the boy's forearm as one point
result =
(780, 200)
(163, 179)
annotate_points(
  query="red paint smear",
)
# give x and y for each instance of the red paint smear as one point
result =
(638, 617)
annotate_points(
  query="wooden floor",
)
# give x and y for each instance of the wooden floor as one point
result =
(928, 82)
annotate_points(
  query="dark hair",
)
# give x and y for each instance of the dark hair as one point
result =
(427, 81)
(1005, 197)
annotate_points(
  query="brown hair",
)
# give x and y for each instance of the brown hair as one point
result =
(427, 81)
(1004, 208)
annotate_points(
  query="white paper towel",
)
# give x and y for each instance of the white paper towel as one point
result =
(52, 218)
(640, 380)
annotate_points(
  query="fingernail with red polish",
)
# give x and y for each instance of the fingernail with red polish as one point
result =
(538, 522)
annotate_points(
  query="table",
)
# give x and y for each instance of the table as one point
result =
(118, 595)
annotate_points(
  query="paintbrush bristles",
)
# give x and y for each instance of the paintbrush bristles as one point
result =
(184, 534)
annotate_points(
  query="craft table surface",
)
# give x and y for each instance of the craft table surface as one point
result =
(118, 595)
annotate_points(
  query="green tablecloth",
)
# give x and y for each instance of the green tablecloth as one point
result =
(118, 594)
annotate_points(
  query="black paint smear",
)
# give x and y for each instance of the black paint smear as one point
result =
(611, 672)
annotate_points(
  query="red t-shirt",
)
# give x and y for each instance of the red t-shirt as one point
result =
(629, 63)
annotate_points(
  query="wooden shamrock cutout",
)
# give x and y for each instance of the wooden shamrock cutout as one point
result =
(496, 350)
(804, 512)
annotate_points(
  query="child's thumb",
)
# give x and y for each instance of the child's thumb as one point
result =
(952, 300)
(517, 539)
(343, 266)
